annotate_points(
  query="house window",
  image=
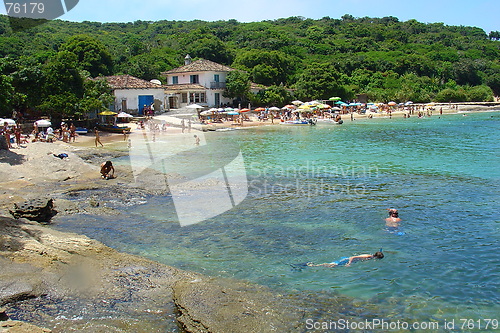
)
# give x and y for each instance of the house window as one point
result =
(175, 80)
(194, 79)
(184, 98)
(198, 98)
(216, 78)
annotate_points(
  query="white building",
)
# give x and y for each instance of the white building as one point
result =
(132, 94)
(202, 82)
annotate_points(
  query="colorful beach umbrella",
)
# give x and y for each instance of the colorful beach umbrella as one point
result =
(335, 98)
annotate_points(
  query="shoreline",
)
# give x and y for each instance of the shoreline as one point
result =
(174, 128)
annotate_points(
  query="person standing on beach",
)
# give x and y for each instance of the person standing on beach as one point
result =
(98, 138)
(72, 132)
(196, 140)
(6, 133)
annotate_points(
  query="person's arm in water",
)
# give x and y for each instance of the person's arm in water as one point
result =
(360, 257)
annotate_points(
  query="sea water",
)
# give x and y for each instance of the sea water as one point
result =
(319, 193)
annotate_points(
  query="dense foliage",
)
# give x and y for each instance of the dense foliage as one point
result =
(382, 57)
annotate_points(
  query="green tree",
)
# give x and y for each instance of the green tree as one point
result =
(62, 86)
(237, 85)
(267, 67)
(6, 96)
(92, 55)
(274, 95)
(481, 93)
(98, 97)
(320, 81)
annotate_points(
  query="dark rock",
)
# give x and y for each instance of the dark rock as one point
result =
(3, 314)
(40, 210)
(3, 143)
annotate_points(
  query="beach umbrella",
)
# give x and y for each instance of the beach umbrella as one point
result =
(213, 110)
(194, 106)
(297, 102)
(124, 115)
(107, 113)
(232, 113)
(43, 123)
(392, 103)
(274, 108)
(228, 109)
(339, 103)
(206, 113)
(260, 109)
(10, 122)
(335, 98)
(244, 110)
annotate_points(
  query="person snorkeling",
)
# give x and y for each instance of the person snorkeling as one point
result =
(393, 220)
(346, 261)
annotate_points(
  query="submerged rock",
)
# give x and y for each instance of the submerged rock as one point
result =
(40, 210)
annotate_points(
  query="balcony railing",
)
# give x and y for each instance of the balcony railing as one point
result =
(217, 85)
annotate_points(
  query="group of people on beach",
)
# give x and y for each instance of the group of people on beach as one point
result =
(15, 134)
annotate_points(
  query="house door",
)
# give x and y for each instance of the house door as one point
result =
(172, 102)
(217, 99)
(145, 101)
(124, 105)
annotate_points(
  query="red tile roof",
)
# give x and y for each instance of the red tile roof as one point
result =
(200, 65)
(186, 86)
(129, 82)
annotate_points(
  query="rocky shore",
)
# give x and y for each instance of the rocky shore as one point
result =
(64, 282)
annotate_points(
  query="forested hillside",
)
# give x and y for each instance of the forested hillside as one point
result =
(381, 57)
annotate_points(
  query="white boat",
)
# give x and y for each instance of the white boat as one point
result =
(330, 121)
(296, 122)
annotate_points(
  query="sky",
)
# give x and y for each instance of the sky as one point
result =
(477, 13)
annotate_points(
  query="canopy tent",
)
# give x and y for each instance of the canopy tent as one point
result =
(43, 123)
(194, 106)
(10, 122)
(124, 115)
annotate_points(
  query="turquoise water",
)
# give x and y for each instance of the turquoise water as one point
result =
(320, 193)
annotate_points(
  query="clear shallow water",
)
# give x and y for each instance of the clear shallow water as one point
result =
(321, 193)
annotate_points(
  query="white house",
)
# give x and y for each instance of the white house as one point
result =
(202, 82)
(132, 94)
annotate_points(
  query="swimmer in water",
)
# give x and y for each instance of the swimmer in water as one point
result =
(348, 260)
(393, 220)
